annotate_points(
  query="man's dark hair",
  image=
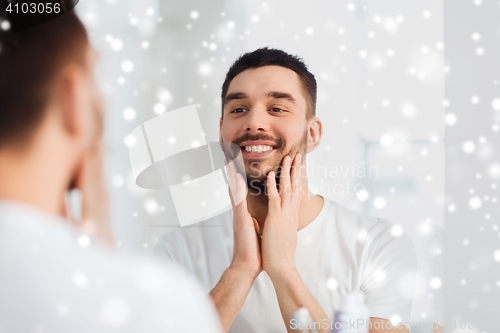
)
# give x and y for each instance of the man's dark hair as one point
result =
(30, 60)
(274, 57)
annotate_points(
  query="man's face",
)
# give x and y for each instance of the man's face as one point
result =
(90, 109)
(265, 108)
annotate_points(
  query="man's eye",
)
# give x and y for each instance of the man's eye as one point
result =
(238, 110)
(278, 110)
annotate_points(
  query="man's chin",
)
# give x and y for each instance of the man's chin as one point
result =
(256, 186)
(257, 181)
(257, 176)
(261, 168)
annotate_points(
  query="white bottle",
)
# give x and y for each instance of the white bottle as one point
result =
(302, 321)
(353, 315)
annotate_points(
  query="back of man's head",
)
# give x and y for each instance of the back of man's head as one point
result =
(30, 61)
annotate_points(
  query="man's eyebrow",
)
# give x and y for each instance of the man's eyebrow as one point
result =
(278, 94)
(235, 95)
(273, 94)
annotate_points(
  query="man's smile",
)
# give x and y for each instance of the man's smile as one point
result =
(257, 149)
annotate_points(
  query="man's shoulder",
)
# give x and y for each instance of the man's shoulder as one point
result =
(52, 250)
(354, 214)
(379, 236)
(352, 220)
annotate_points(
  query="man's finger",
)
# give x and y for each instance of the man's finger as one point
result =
(256, 225)
(230, 182)
(274, 200)
(234, 189)
(237, 190)
(241, 189)
(240, 194)
(285, 183)
(295, 174)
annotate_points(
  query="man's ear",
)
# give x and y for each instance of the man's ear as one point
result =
(70, 101)
(315, 132)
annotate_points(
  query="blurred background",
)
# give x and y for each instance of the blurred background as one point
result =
(472, 265)
(381, 97)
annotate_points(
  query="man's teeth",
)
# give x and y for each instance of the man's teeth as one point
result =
(257, 149)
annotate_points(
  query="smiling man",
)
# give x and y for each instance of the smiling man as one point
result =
(285, 247)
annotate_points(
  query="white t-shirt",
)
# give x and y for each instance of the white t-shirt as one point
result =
(53, 280)
(340, 251)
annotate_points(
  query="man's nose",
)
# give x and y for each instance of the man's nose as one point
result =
(257, 120)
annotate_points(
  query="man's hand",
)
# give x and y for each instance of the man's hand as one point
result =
(279, 240)
(246, 250)
(95, 207)
(232, 289)
(279, 236)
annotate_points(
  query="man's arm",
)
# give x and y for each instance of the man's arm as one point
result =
(293, 294)
(279, 240)
(232, 289)
(230, 294)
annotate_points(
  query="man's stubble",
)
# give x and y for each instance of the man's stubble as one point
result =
(256, 175)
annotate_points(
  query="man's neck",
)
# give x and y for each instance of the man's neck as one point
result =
(31, 179)
(310, 206)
